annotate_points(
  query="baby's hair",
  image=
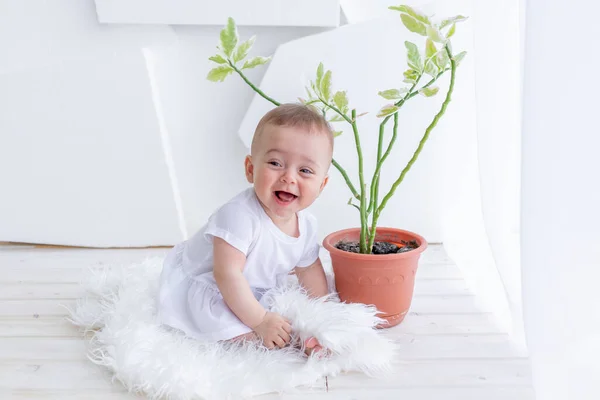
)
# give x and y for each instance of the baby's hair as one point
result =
(295, 115)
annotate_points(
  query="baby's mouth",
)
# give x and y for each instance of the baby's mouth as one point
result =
(285, 197)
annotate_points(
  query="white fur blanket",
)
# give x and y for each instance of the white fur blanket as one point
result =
(119, 311)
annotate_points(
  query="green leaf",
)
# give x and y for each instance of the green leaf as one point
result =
(453, 20)
(242, 51)
(430, 68)
(310, 96)
(326, 86)
(337, 118)
(229, 37)
(434, 34)
(414, 57)
(410, 76)
(337, 133)
(413, 25)
(393, 94)
(429, 91)
(340, 99)
(320, 69)
(219, 73)
(458, 57)
(218, 59)
(412, 12)
(452, 31)
(387, 110)
(442, 58)
(255, 62)
(430, 49)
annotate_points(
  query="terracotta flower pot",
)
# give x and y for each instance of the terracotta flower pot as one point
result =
(385, 281)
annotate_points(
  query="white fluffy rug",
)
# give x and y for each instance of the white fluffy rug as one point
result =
(119, 310)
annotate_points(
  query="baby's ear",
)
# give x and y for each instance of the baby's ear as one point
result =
(325, 181)
(249, 169)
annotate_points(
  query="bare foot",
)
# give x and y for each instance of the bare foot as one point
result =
(312, 345)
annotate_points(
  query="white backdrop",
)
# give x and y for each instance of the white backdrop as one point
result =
(560, 201)
(64, 192)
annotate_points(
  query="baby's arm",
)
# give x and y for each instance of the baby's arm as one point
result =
(313, 279)
(228, 266)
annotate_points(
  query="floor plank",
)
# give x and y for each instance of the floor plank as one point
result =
(420, 304)
(410, 347)
(21, 290)
(81, 374)
(42, 326)
(414, 324)
(428, 393)
(445, 393)
(40, 274)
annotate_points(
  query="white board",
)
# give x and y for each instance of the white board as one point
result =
(81, 159)
(193, 12)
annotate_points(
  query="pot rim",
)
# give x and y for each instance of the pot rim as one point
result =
(329, 245)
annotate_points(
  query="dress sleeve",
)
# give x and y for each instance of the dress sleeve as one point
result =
(311, 248)
(235, 224)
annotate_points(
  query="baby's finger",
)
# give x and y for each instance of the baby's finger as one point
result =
(279, 342)
(284, 335)
(287, 327)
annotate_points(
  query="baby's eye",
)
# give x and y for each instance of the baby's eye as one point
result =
(275, 163)
(306, 171)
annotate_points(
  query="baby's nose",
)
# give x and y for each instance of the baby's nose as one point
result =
(288, 177)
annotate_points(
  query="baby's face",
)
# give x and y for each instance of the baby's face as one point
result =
(289, 169)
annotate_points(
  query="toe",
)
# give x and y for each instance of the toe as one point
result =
(311, 342)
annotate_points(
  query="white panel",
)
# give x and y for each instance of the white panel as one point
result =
(357, 11)
(39, 32)
(81, 158)
(194, 12)
(364, 60)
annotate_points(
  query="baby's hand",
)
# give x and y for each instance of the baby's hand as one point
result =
(274, 330)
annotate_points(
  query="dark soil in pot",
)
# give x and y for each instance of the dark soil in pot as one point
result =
(379, 247)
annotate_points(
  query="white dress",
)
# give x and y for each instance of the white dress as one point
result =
(189, 299)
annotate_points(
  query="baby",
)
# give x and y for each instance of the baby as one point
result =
(212, 285)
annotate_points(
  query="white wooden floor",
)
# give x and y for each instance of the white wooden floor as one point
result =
(451, 349)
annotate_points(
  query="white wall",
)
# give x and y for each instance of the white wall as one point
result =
(86, 111)
(183, 127)
(560, 199)
(81, 159)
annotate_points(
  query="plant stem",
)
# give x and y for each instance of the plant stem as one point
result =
(346, 178)
(425, 137)
(373, 231)
(275, 102)
(363, 188)
(338, 111)
(376, 177)
(257, 90)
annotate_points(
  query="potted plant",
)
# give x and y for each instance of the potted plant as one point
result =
(372, 265)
